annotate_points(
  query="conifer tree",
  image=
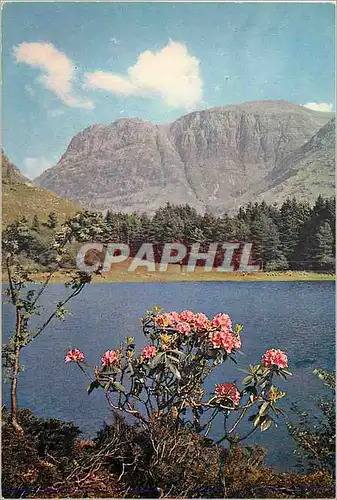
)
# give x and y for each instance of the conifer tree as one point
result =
(52, 220)
(323, 247)
(267, 243)
(35, 223)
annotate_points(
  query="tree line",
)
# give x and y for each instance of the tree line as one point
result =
(293, 236)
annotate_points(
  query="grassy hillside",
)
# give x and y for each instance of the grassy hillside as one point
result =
(28, 200)
(21, 198)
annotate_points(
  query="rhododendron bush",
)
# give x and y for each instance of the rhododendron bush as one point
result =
(167, 377)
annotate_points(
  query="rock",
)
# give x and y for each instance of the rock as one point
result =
(215, 159)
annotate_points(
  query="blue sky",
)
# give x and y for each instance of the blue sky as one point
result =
(67, 66)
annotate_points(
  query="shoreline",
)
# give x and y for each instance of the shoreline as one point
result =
(122, 275)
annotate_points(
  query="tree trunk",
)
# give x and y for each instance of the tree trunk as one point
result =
(16, 366)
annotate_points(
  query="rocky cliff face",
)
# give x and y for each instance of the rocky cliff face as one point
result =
(307, 172)
(216, 158)
(10, 174)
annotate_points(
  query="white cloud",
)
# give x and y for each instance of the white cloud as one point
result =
(172, 73)
(319, 106)
(33, 167)
(58, 71)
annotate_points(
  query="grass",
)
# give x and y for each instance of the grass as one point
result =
(119, 274)
(24, 200)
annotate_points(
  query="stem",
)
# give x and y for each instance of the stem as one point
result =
(50, 275)
(238, 420)
(9, 274)
(209, 425)
(225, 436)
(16, 366)
(247, 435)
(46, 323)
(85, 373)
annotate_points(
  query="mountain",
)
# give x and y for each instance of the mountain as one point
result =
(10, 173)
(21, 198)
(307, 172)
(215, 159)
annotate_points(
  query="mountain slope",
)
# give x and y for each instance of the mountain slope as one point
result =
(307, 172)
(21, 198)
(10, 173)
(214, 158)
(304, 174)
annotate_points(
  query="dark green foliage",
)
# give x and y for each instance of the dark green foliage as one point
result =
(292, 217)
(315, 434)
(34, 243)
(293, 236)
(52, 220)
(323, 247)
(35, 223)
(265, 235)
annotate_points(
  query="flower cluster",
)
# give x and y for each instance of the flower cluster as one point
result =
(274, 357)
(228, 391)
(217, 331)
(184, 322)
(149, 351)
(74, 355)
(223, 321)
(226, 340)
(181, 351)
(110, 358)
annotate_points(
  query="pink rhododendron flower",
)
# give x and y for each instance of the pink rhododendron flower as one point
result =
(109, 358)
(183, 327)
(201, 322)
(74, 355)
(149, 351)
(173, 317)
(223, 321)
(187, 316)
(236, 342)
(274, 357)
(225, 340)
(229, 391)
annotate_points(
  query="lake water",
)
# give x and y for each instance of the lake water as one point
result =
(297, 317)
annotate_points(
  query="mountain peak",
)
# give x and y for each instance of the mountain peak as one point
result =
(215, 157)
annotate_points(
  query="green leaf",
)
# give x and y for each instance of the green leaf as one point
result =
(173, 358)
(174, 370)
(266, 424)
(118, 386)
(156, 360)
(263, 408)
(257, 421)
(93, 385)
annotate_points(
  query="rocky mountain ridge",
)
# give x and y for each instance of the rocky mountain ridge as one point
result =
(215, 159)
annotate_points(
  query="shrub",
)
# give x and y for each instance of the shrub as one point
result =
(37, 458)
(168, 376)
